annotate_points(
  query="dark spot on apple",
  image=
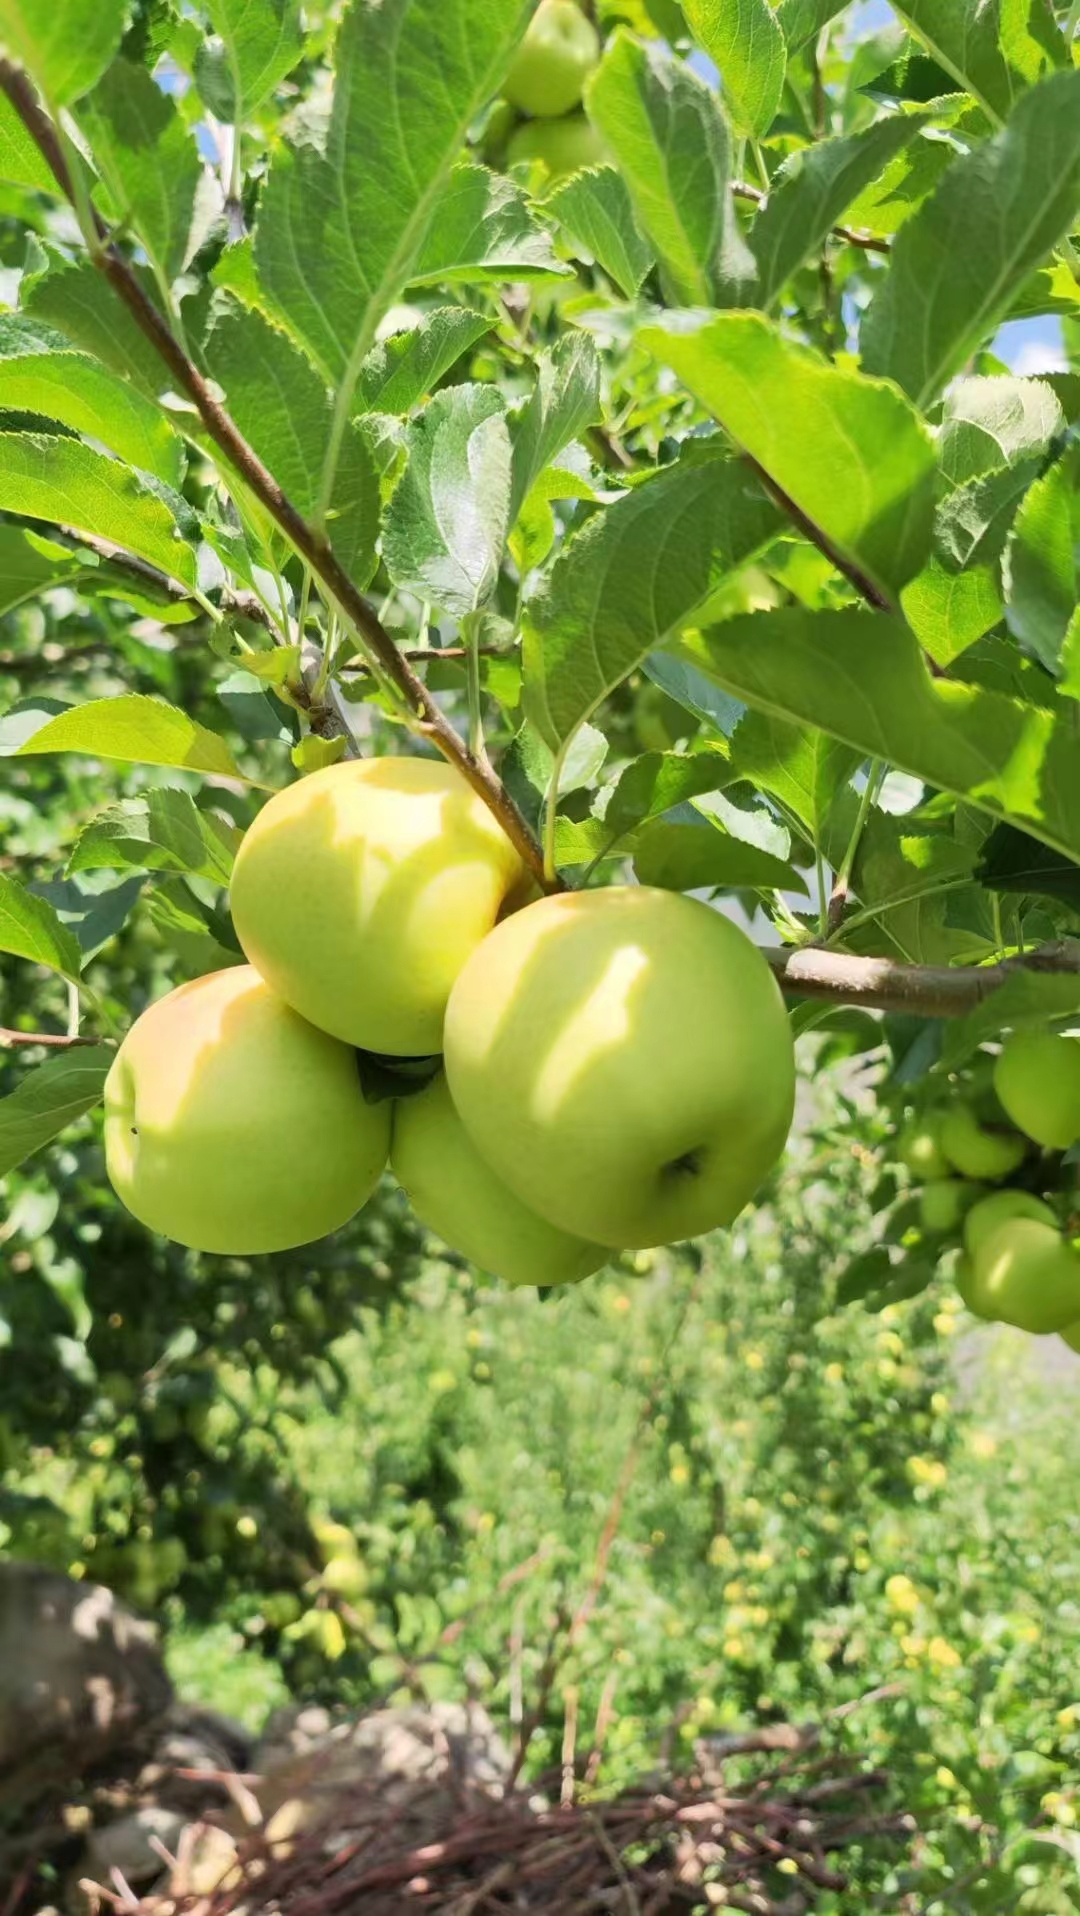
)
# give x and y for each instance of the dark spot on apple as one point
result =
(687, 1165)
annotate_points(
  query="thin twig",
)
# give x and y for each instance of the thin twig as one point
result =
(311, 543)
(54, 1040)
(868, 242)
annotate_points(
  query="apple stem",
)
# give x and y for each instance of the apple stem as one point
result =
(308, 540)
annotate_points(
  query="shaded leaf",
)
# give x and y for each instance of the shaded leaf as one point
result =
(30, 565)
(447, 523)
(658, 781)
(803, 768)
(402, 370)
(849, 451)
(147, 159)
(165, 831)
(1028, 997)
(956, 264)
(994, 49)
(1042, 580)
(596, 214)
(861, 676)
(49, 1099)
(702, 857)
(77, 299)
(30, 928)
(746, 42)
(1014, 862)
(666, 131)
(632, 577)
(93, 912)
(564, 401)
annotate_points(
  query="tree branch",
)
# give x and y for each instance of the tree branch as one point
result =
(310, 543)
(925, 991)
(56, 1041)
(868, 242)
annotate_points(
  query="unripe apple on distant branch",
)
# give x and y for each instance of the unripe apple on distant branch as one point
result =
(1001, 1207)
(359, 893)
(553, 62)
(944, 1202)
(919, 1147)
(977, 1151)
(233, 1125)
(623, 1060)
(563, 146)
(1037, 1079)
(1026, 1273)
(457, 1195)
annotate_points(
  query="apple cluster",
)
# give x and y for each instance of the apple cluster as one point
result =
(602, 1070)
(1017, 1265)
(539, 118)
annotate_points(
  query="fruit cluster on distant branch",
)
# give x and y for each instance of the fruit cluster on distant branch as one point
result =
(546, 83)
(1019, 1263)
(618, 1063)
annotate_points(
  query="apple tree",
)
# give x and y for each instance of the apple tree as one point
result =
(617, 414)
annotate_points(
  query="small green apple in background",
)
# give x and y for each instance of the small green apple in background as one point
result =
(944, 1202)
(977, 1151)
(623, 1060)
(919, 1147)
(1037, 1078)
(563, 146)
(553, 62)
(1001, 1207)
(359, 893)
(1024, 1272)
(457, 1195)
(232, 1125)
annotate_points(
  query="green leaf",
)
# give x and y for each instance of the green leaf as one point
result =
(30, 928)
(1028, 997)
(861, 677)
(339, 231)
(991, 423)
(1042, 580)
(803, 768)
(65, 44)
(135, 730)
(693, 690)
(30, 565)
(994, 49)
(564, 401)
(958, 262)
(482, 229)
(21, 160)
(1014, 862)
(402, 370)
(633, 577)
(39, 374)
(848, 451)
(807, 197)
(283, 410)
(165, 831)
(49, 1099)
(66, 482)
(447, 523)
(680, 856)
(658, 781)
(864, 1275)
(666, 131)
(596, 214)
(147, 159)
(802, 20)
(80, 303)
(745, 40)
(260, 41)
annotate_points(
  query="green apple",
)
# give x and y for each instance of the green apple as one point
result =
(919, 1147)
(1037, 1078)
(1000, 1208)
(943, 1203)
(233, 1125)
(563, 146)
(549, 70)
(1027, 1274)
(623, 1060)
(976, 1151)
(359, 893)
(457, 1195)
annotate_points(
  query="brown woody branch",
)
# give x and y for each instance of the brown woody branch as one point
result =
(55, 1041)
(309, 541)
(926, 991)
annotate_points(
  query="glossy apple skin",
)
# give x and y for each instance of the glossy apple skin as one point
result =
(1000, 1208)
(944, 1202)
(553, 62)
(1037, 1078)
(976, 1152)
(564, 146)
(457, 1195)
(233, 1125)
(623, 1060)
(1025, 1273)
(919, 1147)
(360, 892)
